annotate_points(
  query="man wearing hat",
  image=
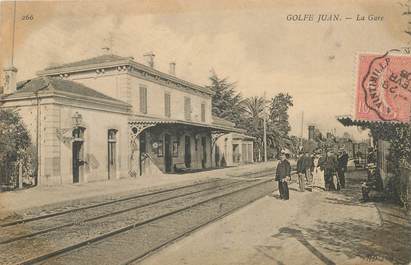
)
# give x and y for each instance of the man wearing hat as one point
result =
(329, 166)
(283, 174)
(342, 166)
(301, 171)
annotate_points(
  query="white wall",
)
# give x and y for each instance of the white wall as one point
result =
(125, 86)
(56, 150)
(97, 124)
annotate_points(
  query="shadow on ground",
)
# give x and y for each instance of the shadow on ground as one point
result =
(355, 238)
(351, 195)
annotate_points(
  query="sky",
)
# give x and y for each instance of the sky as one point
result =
(250, 42)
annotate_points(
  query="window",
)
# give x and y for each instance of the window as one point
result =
(78, 134)
(167, 105)
(203, 112)
(187, 108)
(143, 99)
(111, 156)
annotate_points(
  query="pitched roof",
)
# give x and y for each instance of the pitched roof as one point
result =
(111, 60)
(95, 60)
(242, 136)
(56, 85)
(221, 121)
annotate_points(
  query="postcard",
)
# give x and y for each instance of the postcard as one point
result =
(205, 132)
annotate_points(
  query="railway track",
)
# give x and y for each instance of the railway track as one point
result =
(106, 210)
(44, 216)
(48, 238)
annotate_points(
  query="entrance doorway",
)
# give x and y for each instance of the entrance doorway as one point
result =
(187, 152)
(167, 153)
(204, 148)
(236, 153)
(77, 156)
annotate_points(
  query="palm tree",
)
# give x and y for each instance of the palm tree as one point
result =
(254, 107)
(253, 110)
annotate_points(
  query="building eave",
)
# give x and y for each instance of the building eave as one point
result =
(121, 63)
(156, 121)
(60, 94)
(347, 120)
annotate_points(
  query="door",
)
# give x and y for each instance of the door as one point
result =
(167, 153)
(236, 154)
(77, 162)
(204, 149)
(244, 153)
(187, 152)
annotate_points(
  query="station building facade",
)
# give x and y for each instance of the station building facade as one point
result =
(234, 149)
(111, 117)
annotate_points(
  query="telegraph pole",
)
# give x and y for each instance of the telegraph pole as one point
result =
(14, 31)
(265, 130)
(302, 124)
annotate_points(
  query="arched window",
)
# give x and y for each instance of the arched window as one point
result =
(111, 156)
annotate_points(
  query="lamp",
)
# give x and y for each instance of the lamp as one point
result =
(77, 119)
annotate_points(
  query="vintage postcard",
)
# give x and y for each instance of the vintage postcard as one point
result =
(205, 132)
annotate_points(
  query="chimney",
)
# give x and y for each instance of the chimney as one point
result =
(172, 70)
(311, 132)
(150, 59)
(10, 82)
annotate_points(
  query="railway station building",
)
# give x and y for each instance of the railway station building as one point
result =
(110, 117)
(234, 149)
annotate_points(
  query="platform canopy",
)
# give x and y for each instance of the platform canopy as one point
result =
(347, 120)
(217, 126)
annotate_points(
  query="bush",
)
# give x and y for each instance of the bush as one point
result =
(15, 148)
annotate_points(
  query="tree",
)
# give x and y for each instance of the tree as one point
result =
(278, 126)
(399, 137)
(15, 143)
(253, 111)
(226, 102)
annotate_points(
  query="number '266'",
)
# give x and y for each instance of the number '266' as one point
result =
(27, 17)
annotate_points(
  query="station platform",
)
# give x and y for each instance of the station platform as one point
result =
(311, 228)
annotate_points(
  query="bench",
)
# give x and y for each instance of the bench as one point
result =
(180, 167)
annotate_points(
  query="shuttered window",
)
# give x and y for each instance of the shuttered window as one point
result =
(187, 108)
(203, 112)
(143, 99)
(167, 105)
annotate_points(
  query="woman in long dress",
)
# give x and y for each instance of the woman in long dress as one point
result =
(318, 175)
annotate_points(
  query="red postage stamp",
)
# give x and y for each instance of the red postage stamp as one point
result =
(383, 90)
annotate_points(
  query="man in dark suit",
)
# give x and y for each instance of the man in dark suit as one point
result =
(283, 174)
(307, 164)
(342, 166)
(329, 165)
(300, 172)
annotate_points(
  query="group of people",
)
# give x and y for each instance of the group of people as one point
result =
(321, 171)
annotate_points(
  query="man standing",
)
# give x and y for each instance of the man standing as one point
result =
(307, 164)
(300, 172)
(282, 174)
(329, 166)
(342, 166)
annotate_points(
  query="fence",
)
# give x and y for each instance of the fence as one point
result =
(13, 175)
(9, 175)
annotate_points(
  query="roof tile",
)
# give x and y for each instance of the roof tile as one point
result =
(60, 85)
